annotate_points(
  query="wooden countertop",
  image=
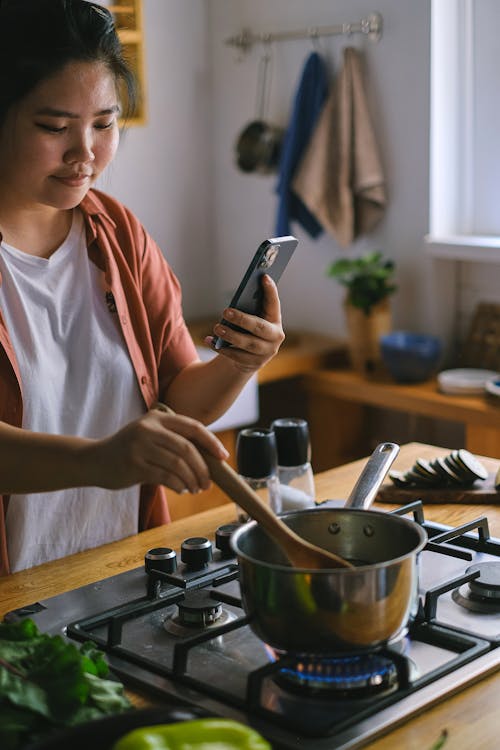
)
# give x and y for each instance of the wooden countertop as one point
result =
(470, 716)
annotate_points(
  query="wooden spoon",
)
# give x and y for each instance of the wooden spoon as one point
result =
(300, 552)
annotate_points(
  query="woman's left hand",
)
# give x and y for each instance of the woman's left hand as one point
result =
(250, 351)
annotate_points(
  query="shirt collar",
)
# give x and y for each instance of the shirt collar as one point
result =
(94, 213)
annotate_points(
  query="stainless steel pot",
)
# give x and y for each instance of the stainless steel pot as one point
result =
(343, 609)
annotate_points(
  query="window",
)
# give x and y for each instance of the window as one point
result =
(465, 130)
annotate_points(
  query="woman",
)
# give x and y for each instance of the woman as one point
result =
(91, 328)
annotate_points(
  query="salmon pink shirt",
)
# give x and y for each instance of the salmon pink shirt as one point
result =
(144, 293)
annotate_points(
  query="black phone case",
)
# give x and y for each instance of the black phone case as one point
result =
(248, 296)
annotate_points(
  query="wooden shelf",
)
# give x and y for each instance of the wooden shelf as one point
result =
(419, 398)
(130, 36)
(345, 394)
(116, 9)
(300, 353)
(129, 26)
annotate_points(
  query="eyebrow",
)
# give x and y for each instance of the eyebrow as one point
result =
(53, 112)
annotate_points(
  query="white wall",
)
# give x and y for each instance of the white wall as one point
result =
(397, 71)
(178, 172)
(163, 169)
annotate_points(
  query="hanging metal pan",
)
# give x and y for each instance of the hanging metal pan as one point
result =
(259, 143)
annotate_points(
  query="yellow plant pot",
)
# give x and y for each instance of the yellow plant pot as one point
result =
(364, 332)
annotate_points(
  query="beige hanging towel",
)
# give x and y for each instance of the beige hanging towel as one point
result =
(340, 177)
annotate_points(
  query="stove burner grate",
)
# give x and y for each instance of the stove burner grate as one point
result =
(487, 585)
(197, 611)
(482, 593)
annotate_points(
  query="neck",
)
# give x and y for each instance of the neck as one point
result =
(37, 233)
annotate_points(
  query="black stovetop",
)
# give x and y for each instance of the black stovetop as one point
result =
(226, 670)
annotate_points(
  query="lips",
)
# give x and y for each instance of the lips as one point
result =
(73, 180)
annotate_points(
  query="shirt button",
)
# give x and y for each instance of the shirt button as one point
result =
(144, 380)
(124, 320)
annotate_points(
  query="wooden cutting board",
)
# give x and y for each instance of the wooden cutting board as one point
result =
(481, 492)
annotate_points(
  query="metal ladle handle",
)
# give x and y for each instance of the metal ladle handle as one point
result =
(263, 82)
(365, 490)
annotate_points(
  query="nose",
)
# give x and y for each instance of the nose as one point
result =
(80, 151)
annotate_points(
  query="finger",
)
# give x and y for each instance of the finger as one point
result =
(158, 474)
(252, 326)
(167, 468)
(194, 432)
(154, 444)
(181, 458)
(271, 307)
(251, 344)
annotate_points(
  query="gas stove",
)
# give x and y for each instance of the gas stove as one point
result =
(176, 628)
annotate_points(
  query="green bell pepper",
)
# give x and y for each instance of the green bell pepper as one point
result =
(198, 734)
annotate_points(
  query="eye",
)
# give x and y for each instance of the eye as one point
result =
(104, 125)
(50, 128)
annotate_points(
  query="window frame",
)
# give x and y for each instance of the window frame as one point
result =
(452, 137)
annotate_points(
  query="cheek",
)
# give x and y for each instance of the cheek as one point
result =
(31, 156)
(106, 149)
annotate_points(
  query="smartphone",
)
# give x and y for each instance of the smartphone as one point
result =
(272, 257)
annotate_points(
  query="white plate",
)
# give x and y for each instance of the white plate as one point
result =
(465, 381)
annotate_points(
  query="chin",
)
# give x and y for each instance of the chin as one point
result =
(67, 205)
(66, 199)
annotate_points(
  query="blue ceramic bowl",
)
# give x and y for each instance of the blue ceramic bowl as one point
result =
(410, 357)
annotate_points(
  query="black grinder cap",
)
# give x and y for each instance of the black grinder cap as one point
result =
(292, 439)
(256, 453)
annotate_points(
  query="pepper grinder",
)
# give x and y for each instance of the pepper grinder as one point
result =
(257, 462)
(294, 463)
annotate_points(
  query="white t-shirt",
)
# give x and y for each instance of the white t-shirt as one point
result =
(77, 379)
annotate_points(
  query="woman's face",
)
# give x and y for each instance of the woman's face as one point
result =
(56, 141)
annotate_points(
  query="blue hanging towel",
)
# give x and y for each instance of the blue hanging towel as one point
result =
(309, 99)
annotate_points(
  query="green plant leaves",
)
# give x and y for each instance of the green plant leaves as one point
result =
(46, 682)
(367, 279)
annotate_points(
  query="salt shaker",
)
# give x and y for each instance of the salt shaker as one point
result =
(257, 462)
(294, 463)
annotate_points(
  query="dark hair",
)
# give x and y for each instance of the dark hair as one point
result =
(39, 37)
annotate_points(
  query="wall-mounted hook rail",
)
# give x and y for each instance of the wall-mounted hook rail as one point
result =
(371, 26)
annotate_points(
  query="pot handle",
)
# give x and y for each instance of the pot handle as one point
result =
(263, 83)
(365, 490)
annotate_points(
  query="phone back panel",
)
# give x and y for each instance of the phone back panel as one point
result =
(272, 258)
(248, 296)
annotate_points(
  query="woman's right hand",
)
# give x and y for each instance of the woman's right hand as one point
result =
(157, 448)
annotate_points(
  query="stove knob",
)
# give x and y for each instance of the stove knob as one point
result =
(163, 559)
(196, 552)
(222, 537)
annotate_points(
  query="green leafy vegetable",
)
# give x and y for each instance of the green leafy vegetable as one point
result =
(46, 682)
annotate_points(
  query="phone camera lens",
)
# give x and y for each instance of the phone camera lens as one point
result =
(270, 256)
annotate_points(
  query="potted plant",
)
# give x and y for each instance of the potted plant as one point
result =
(369, 284)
